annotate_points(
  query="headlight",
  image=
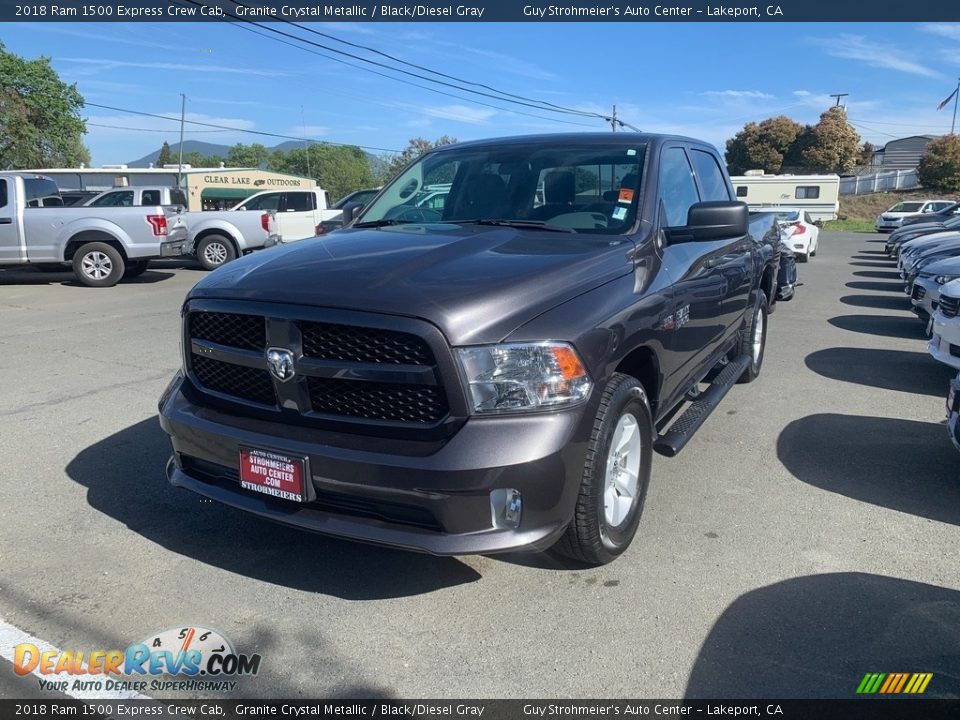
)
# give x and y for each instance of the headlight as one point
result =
(523, 376)
(944, 279)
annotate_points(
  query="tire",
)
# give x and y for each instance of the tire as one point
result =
(751, 345)
(801, 258)
(136, 268)
(215, 251)
(97, 264)
(603, 525)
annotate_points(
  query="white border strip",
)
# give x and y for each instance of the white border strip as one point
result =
(11, 636)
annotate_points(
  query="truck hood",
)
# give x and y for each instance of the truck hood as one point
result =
(476, 283)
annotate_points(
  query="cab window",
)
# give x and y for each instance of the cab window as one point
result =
(299, 202)
(713, 186)
(677, 189)
(4, 196)
(115, 199)
(270, 201)
(150, 197)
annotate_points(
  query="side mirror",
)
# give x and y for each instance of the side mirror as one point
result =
(818, 223)
(351, 211)
(712, 220)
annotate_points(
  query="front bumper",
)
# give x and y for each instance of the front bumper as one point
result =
(924, 296)
(944, 345)
(953, 412)
(176, 248)
(434, 499)
(888, 225)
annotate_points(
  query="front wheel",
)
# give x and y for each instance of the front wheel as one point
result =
(753, 343)
(97, 264)
(615, 476)
(214, 251)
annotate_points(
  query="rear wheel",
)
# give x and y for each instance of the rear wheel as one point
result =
(615, 476)
(801, 258)
(97, 264)
(214, 251)
(753, 342)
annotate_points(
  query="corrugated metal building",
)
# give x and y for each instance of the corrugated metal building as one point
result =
(905, 153)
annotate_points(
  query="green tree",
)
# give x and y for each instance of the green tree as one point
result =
(762, 146)
(196, 159)
(253, 156)
(834, 145)
(940, 165)
(165, 157)
(866, 153)
(415, 148)
(338, 169)
(40, 124)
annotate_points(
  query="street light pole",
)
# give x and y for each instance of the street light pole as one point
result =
(183, 117)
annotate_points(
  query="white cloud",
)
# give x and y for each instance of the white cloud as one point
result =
(98, 65)
(947, 30)
(461, 113)
(857, 47)
(739, 94)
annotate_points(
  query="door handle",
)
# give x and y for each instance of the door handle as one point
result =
(6, 221)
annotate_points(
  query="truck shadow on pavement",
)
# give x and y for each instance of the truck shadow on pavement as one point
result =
(901, 370)
(903, 465)
(33, 277)
(876, 286)
(124, 477)
(907, 327)
(882, 302)
(869, 262)
(878, 274)
(817, 636)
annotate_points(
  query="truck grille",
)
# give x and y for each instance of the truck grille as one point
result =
(359, 344)
(243, 382)
(241, 331)
(343, 373)
(949, 306)
(377, 401)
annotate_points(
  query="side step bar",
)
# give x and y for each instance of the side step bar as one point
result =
(682, 429)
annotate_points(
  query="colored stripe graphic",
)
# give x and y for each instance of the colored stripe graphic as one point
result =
(894, 683)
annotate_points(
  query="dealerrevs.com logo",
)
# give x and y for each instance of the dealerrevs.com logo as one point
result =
(186, 658)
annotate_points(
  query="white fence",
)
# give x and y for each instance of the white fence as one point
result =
(879, 182)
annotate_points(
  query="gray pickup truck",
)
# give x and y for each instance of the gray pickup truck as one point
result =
(490, 375)
(102, 246)
(215, 237)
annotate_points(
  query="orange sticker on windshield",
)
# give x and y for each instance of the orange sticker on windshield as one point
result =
(626, 195)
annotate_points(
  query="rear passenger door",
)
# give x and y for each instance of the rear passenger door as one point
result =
(9, 227)
(297, 217)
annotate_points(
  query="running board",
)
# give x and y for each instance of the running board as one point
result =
(682, 429)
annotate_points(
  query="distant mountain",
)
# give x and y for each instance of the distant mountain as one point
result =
(207, 149)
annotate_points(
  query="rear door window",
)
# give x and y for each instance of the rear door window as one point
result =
(270, 201)
(122, 198)
(299, 202)
(150, 197)
(713, 185)
(4, 194)
(177, 197)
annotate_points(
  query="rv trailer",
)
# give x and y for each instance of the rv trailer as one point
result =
(816, 194)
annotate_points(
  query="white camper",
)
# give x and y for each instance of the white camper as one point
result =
(816, 194)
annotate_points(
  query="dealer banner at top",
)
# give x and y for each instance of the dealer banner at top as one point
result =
(478, 11)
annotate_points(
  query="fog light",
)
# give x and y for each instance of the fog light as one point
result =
(506, 507)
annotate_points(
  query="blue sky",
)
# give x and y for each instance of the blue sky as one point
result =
(700, 79)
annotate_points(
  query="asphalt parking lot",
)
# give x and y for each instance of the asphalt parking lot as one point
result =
(807, 535)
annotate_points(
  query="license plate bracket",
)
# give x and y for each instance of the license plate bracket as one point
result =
(276, 474)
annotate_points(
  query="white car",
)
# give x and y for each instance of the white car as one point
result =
(892, 219)
(945, 343)
(799, 231)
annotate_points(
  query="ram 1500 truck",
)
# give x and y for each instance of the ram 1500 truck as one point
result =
(490, 376)
(102, 246)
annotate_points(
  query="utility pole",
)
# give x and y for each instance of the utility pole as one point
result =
(955, 98)
(613, 119)
(183, 118)
(306, 143)
(838, 96)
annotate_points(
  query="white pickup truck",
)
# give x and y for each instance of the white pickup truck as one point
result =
(214, 236)
(298, 211)
(102, 247)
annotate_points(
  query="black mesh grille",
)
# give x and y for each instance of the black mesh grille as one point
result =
(949, 306)
(918, 292)
(358, 344)
(377, 401)
(240, 331)
(242, 382)
(955, 350)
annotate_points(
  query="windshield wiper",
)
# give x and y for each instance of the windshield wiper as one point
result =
(380, 223)
(523, 224)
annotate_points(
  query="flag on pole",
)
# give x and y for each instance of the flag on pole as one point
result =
(942, 105)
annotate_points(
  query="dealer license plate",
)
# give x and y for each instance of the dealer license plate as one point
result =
(273, 474)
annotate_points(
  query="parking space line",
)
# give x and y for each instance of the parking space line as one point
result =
(11, 636)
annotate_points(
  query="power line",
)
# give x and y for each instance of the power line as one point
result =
(149, 130)
(235, 129)
(406, 82)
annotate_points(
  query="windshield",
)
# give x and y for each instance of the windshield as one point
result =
(587, 187)
(906, 207)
